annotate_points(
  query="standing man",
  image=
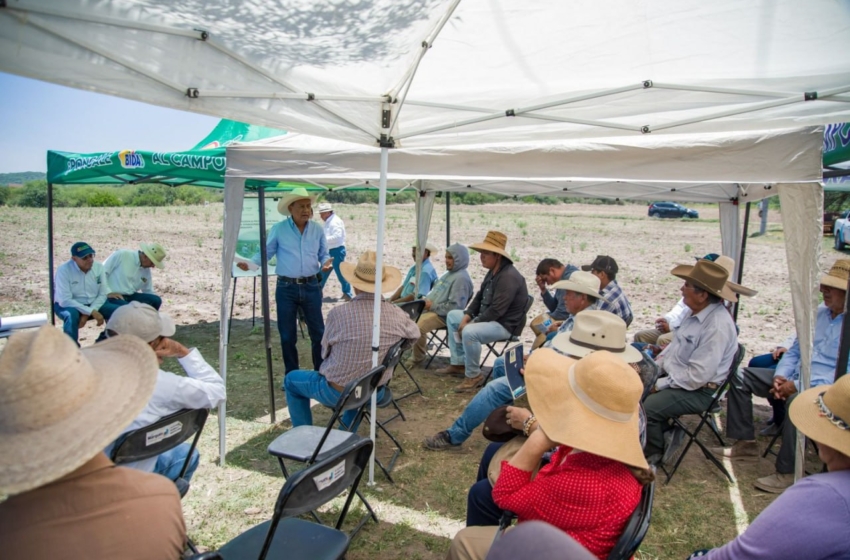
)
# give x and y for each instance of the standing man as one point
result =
(128, 274)
(81, 291)
(302, 255)
(613, 298)
(335, 238)
(407, 291)
(496, 310)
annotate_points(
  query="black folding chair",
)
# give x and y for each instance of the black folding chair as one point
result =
(649, 372)
(414, 310)
(707, 417)
(161, 436)
(491, 346)
(309, 444)
(636, 527)
(285, 536)
(442, 342)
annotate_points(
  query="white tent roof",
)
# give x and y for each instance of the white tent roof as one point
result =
(449, 71)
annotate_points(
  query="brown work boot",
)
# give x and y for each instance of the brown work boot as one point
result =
(741, 450)
(451, 370)
(775, 483)
(470, 384)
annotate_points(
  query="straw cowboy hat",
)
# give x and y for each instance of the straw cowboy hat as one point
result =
(709, 276)
(581, 282)
(324, 207)
(60, 406)
(823, 413)
(495, 242)
(294, 196)
(837, 275)
(155, 252)
(591, 405)
(596, 330)
(430, 247)
(362, 275)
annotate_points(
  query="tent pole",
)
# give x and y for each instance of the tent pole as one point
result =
(741, 259)
(844, 342)
(50, 250)
(264, 258)
(448, 219)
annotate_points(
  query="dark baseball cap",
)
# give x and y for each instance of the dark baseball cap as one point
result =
(604, 263)
(81, 249)
(709, 257)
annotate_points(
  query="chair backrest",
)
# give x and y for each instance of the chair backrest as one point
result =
(164, 434)
(649, 372)
(636, 527)
(413, 308)
(528, 304)
(393, 356)
(733, 371)
(320, 483)
(357, 393)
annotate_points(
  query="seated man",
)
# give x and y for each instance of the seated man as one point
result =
(80, 291)
(347, 342)
(550, 271)
(203, 388)
(613, 298)
(770, 361)
(496, 310)
(407, 291)
(698, 359)
(60, 407)
(128, 274)
(784, 383)
(452, 291)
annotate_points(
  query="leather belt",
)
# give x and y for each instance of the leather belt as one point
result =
(302, 280)
(339, 388)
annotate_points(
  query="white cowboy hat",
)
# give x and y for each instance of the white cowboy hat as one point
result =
(581, 282)
(294, 196)
(141, 320)
(595, 330)
(324, 207)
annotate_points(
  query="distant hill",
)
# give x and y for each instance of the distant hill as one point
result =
(21, 177)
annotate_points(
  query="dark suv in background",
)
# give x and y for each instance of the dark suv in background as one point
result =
(671, 210)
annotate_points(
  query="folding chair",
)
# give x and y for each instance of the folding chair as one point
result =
(649, 372)
(285, 536)
(414, 310)
(442, 342)
(161, 436)
(636, 527)
(309, 444)
(491, 346)
(707, 418)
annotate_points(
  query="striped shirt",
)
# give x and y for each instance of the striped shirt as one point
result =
(347, 343)
(616, 302)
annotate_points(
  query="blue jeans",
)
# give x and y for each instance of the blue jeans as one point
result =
(495, 394)
(71, 317)
(289, 297)
(779, 406)
(338, 254)
(468, 351)
(170, 463)
(301, 385)
(481, 510)
(150, 299)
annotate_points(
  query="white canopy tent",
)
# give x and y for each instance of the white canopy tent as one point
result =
(442, 74)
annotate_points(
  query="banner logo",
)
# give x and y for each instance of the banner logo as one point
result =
(129, 159)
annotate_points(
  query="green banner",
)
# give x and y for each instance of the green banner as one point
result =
(836, 144)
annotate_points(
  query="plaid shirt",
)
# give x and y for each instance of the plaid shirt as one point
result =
(615, 301)
(347, 343)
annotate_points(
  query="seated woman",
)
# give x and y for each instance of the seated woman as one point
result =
(589, 410)
(810, 519)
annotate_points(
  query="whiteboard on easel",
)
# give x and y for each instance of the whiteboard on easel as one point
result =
(248, 243)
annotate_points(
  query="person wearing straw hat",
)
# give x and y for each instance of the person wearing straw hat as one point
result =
(581, 295)
(408, 291)
(783, 383)
(59, 407)
(128, 274)
(698, 359)
(810, 519)
(588, 409)
(335, 236)
(302, 257)
(496, 310)
(347, 343)
(201, 387)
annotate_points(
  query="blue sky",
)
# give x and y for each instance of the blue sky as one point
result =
(38, 116)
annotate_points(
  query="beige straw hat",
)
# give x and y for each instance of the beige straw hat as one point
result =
(495, 242)
(362, 275)
(294, 196)
(837, 275)
(709, 276)
(141, 320)
(60, 406)
(155, 252)
(591, 405)
(581, 282)
(823, 414)
(596, 330)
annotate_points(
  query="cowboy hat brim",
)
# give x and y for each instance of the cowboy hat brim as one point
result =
(807, 418)
(484, 246)
(390, 281)
(834, 282)
(563, 344)
(571, 286)
(147, 249)
(684, 271)
(286, 201)
(126, 373)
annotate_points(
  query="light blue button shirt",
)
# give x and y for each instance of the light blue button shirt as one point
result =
(298, 254)
(426, 279)
(824, 352)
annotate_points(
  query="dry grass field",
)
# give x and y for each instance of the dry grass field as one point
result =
(426, 505)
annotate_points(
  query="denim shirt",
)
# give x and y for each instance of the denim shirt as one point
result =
(824, 352)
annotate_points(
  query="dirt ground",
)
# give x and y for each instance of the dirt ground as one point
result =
(420, 512)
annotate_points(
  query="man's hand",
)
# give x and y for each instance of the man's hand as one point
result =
(242, 266)
(114, 295)
(170, 348)
(554, 326)
(427, 304)
(662, 325)
(83, 320)
(541, 283)
(465, 321)
(97, 317)
(516, 416)
(785, 390)
(328, 265)
(777, 352)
